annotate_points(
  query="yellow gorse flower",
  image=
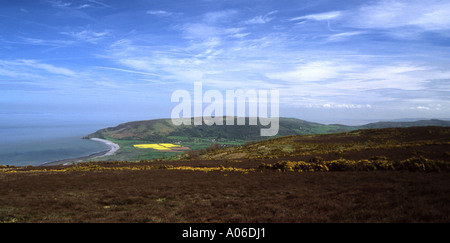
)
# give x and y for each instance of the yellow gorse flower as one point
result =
(96, 167)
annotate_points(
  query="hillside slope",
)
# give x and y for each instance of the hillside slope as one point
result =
(420, 123)
(163, 130)
(386, 144)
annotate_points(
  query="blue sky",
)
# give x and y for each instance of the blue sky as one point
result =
(332, 61)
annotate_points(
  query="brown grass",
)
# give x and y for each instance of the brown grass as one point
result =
(190, 196)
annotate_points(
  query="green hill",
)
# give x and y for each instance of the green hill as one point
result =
(162, 130)
(201, 138)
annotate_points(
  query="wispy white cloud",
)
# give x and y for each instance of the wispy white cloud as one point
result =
(73, 10)
(257, 20)
(47, 67)
(15, 73)
(421, 108)
(108, 84)
(46, 42)
(83, 6)
(240, 35)
(99, 3)
(206, 31)
(403, 19)
(344, 83)
(428, 107)
(32, 69)
(160, 13)
(314, 71)
(343, 36)
(128, 70)
(219, 16)
(261, 19)
(319, 16)
(346, 106)
(427, 15)
(60, 4)
(69, 5)
(213, 25)
(199, 30)
(87, 35)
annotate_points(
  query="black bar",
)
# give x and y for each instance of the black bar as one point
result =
(264, 232)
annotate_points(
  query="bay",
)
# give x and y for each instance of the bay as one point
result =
(25, 144)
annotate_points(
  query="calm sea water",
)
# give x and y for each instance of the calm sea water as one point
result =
(22, 145)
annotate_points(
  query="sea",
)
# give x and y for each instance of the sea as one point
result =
(37, 144)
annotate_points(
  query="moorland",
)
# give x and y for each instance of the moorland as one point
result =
(399, 174)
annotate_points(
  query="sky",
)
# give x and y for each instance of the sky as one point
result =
(117, 61)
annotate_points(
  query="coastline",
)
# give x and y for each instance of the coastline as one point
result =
(113, 148)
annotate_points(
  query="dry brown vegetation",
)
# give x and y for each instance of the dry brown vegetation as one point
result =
(248, 189)
(194, 196)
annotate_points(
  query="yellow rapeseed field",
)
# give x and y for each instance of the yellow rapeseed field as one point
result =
(158, 146)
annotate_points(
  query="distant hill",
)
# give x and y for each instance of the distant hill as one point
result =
(164, 130)
(421, 123)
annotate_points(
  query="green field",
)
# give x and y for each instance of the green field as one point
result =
(128, 152)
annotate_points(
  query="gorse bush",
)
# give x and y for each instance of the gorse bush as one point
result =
(295, 166)
(411, 164)
(91, 167)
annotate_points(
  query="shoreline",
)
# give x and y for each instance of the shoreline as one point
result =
(113, 148)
